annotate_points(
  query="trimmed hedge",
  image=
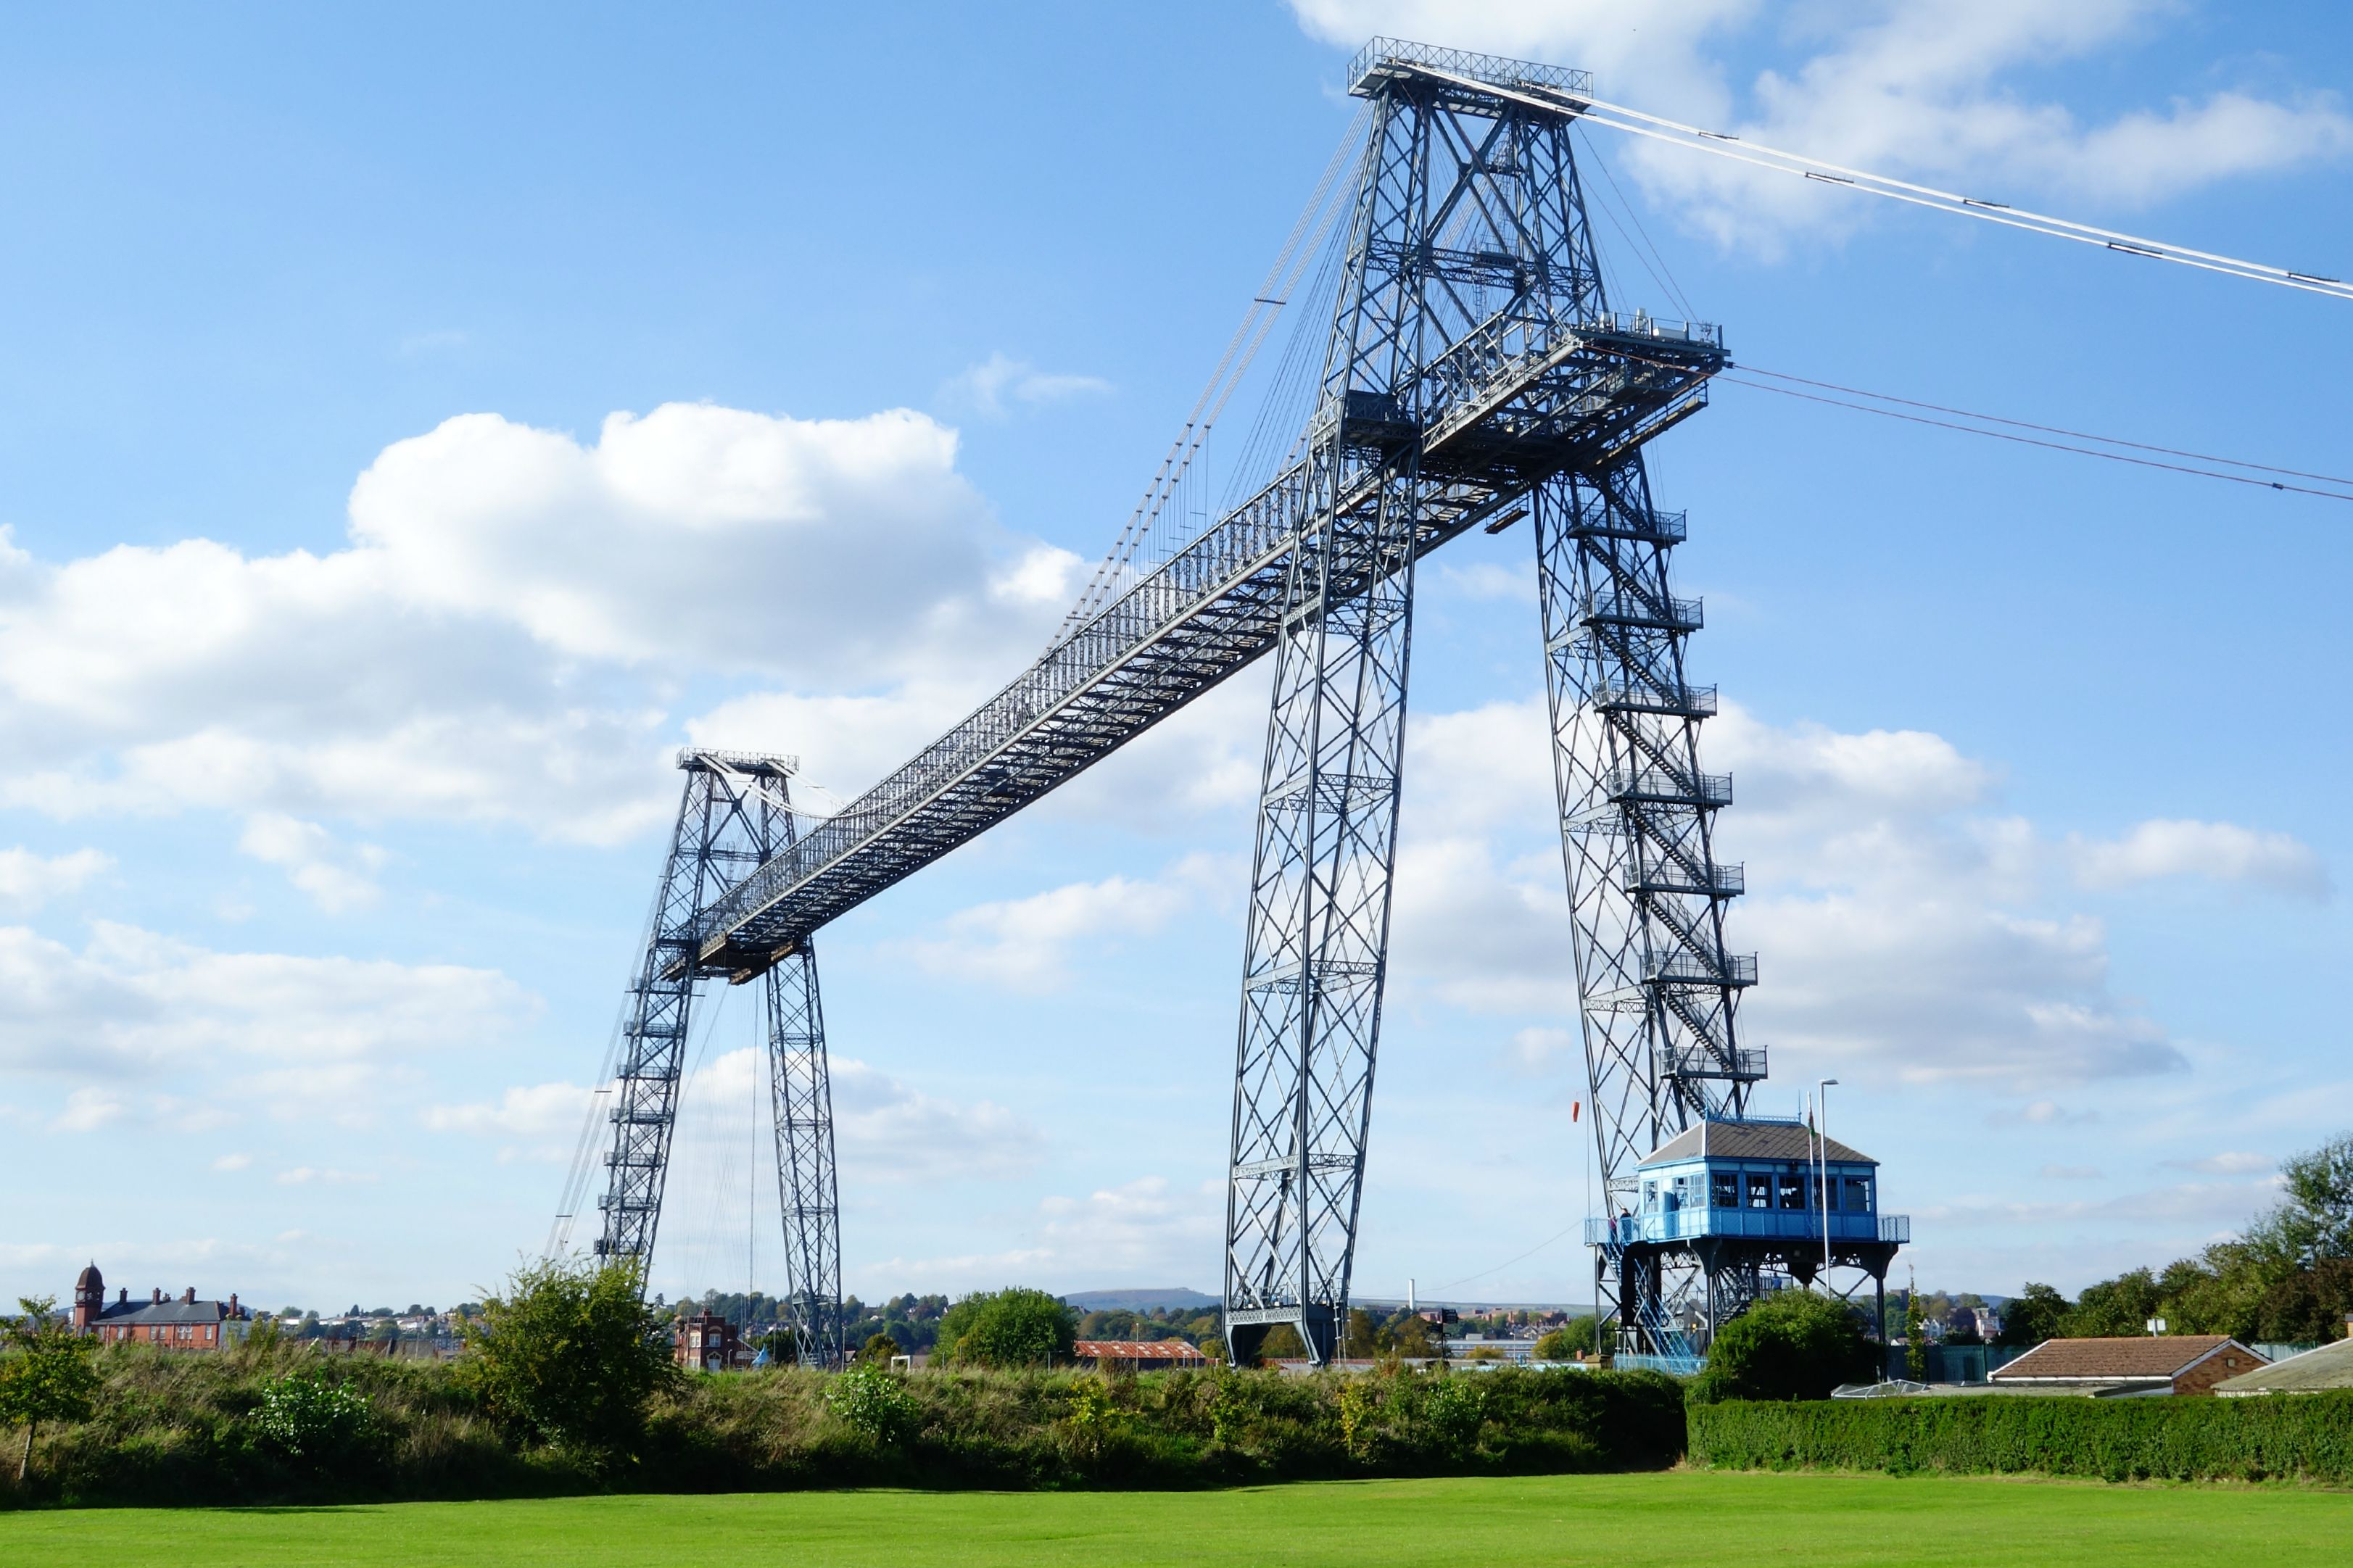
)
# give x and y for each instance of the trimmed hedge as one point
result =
(2280, 1437)
(178, 1429)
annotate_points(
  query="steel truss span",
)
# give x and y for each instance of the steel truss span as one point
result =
(1475, 374)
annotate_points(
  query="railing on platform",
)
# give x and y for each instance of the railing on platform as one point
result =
(1757, 1225)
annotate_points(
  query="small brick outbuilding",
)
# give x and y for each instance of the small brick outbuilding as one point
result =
(2143, 1363)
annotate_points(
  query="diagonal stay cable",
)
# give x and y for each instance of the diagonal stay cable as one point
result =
(2047, 429)
(2035, 441)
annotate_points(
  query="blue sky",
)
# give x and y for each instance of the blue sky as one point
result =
(414, 427)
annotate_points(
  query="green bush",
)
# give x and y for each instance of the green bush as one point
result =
(871, 1401)
(1790, 1345)
(1009, 1329)
(570, 1356)
(305, 1416)
(2299, 1437)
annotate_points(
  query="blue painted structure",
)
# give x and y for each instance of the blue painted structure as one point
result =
(1741, 1197)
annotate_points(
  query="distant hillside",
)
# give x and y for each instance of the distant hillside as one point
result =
(1138, 1301)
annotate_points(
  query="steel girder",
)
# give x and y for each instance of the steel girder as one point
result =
(734, 814)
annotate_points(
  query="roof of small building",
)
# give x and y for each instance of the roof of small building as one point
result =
(1140, 1349)
(170, 1311)
(2155, 1357)
(2314, 1372)
(1753, 1141)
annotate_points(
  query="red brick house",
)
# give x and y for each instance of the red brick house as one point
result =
(180, 1322)
(2149, 1364)
(709, 1342)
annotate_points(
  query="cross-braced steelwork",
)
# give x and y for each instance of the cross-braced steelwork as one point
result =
(1660, 992)
(801, 1094)
(734, 814)
(1474, 373)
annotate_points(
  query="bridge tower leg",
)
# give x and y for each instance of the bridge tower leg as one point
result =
(801, 1091)
(1658, 992)
(735, 814)
(1316, 950)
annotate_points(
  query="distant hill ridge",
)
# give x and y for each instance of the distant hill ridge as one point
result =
(1139, 1300)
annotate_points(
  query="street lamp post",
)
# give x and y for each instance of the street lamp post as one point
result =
(1823, 1099)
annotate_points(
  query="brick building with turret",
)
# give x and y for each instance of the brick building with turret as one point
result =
(177, 1322)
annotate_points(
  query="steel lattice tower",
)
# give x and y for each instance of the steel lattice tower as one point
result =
(1470, 229)
(734, 814)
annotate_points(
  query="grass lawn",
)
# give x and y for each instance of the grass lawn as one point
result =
(1623, 1521)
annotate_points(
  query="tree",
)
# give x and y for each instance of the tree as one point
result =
(2035, 1315)
(2309, 1305)
(2316, 1220)
(1916, 1347)
(878, 1350)
(1366, 1338)
(571, 1354)
(1572, 1339)
(2116, 1307)
(1415, 1339)
(1008, 1328)
(51, 1376)
(1793, 1345)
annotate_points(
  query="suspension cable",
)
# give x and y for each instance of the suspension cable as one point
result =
(1724, 144)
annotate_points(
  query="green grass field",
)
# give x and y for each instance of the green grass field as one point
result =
(1623, 1521)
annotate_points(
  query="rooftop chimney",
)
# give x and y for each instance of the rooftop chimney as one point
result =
(122, 1293)
(190, 1297)
(156, 1294)
(232, 1303)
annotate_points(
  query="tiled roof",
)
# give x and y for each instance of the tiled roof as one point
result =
(1753, 1141)
(1140, 1349)
(2330, 1366)
(173, 1311)
(2154, 1356)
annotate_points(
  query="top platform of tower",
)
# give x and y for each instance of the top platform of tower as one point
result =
(1391, 59)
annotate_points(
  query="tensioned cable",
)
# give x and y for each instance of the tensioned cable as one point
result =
(2052, 445)
(1662, 275)
(1137, 538)
(2026, 440)
(1499, 1267)
(2050, 429)
(1724, 144)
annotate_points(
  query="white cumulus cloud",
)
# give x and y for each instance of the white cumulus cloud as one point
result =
(2219, 851)
(28, 880)
(504, 636)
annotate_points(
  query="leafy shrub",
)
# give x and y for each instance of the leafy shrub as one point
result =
(569, 1356)
(1791, 1345)
(2300, 1437)
(1454, 1408)
(872, 1402)
(304, 1417)
(1009, 1329)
